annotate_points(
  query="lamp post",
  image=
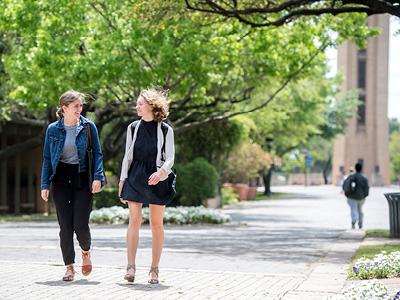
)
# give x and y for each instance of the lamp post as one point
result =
(307, 164)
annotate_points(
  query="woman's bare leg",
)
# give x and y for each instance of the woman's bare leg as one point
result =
(132, 236)
(157, 230)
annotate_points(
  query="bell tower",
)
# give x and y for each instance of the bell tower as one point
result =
(367, 137)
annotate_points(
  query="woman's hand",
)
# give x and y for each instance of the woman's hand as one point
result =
(45, 195)
(96, 186)
(155, 177)
(120, 186)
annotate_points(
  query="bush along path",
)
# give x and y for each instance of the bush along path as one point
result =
(173, 215)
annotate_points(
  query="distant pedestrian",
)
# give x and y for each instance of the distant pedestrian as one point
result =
(65, 169)
(146, 175)
(356, 189)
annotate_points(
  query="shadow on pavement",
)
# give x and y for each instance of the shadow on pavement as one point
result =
(300, 244)
(65, 283)
(145, 287)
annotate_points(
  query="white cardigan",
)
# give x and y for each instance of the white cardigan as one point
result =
(169, 150)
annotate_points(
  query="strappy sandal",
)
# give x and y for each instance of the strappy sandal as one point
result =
(86, 268)
(69, 274)
(130, 277)
(153, 280)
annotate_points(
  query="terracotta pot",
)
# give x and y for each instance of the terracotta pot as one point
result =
(242, 190)
(252, 193)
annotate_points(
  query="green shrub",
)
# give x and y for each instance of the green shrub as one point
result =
(228, 195)
(106, 198)
(196, 181)
(245, 163)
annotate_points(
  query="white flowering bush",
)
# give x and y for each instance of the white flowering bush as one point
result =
(372, 289)
(112, 215)
(173, 215)
(383, 265)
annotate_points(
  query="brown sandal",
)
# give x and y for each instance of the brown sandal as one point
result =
(153, 280)
(130, 277)
(69, 274)
(86, 265)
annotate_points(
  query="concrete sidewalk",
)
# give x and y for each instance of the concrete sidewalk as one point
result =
(297, 247)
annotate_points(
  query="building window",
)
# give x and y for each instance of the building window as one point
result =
(361, 110)
(361, 85)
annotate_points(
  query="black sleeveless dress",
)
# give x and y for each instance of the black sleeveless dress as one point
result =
(136, 187)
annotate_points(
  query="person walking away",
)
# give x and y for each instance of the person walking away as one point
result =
(356, 189)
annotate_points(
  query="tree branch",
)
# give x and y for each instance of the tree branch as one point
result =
(285, 12)
(221, 116)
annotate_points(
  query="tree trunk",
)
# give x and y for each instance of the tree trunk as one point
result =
(267, 181)
(327, 166)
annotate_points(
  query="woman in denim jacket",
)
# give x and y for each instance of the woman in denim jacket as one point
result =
(65, 168)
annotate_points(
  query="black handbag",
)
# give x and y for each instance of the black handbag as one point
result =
(171, 176)
(89, 159)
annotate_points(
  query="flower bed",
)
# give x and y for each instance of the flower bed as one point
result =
(173, 215)
(383, 265)
(372, 289)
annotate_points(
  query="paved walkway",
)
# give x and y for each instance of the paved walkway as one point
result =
(297, 247)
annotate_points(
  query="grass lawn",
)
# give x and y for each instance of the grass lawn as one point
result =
(378, 233)
(261, 196)
(28, 218)
(371, 251)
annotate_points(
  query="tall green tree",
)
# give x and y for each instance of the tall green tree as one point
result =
(113, 49)
(309, 116)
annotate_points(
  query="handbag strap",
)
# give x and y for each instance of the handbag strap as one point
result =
(164, 130)
(89, 137)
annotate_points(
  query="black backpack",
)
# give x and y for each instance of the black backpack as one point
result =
(350, 186)
(172, 176)
(164, 129)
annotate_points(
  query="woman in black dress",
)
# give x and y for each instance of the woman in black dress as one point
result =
(149, 157)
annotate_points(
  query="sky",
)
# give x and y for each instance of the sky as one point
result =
(394, 68)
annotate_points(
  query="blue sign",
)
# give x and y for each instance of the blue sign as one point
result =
(308, 160)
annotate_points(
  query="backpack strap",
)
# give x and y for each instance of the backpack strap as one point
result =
(164, 129)
(133, 125)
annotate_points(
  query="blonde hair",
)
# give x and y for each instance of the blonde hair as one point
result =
(158, 100)
(67, 98)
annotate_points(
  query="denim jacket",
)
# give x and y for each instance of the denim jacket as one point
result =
(54, 144)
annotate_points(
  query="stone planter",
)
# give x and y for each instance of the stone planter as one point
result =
(211, 203)
(242, 190)
(252, 193)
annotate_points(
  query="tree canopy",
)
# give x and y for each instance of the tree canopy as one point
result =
(112, 49)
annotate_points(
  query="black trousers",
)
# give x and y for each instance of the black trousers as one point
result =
(73, 201)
